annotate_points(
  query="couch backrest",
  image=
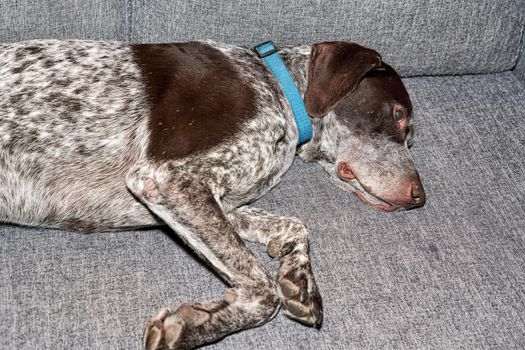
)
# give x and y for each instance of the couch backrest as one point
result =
(416, 37)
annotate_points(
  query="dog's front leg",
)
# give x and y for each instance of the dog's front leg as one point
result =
(189, 208)
(286, 238)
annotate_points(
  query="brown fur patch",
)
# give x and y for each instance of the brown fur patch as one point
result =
(198, 99)
(369, 109)
(335, 70)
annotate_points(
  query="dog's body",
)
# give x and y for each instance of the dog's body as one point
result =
(102, 136)
(70, 135)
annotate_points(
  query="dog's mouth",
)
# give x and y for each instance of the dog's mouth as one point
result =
(348, 181)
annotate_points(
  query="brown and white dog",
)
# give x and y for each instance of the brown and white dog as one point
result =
(102, 136)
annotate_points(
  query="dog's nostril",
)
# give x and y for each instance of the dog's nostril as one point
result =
(418, 195)
(416, 191)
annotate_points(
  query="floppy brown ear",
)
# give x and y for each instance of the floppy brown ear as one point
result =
(335, 70)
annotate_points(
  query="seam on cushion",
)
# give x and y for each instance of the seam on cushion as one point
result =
(520, 59)
(521, 51)
(129, 10)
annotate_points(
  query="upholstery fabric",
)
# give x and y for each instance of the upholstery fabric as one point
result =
(416, 37)
(66, 19)
(449, 275)
(519, 70)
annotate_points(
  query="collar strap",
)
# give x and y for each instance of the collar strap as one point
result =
(270, 55)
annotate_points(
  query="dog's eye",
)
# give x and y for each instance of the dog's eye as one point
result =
(399, 113)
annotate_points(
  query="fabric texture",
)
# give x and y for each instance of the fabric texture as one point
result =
(416, 37)
(446, 276)
(71, 19)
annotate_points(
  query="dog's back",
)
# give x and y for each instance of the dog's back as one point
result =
(72, 120)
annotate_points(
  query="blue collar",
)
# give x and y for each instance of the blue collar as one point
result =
(270, 55)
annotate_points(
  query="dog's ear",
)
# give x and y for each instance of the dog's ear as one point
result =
(335, 70)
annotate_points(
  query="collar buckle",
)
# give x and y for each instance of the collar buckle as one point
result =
(265, 49)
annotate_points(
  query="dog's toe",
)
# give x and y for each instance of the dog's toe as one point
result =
(179, 329)
(308, 312)
(163, 331)
(153, 332)
(300, 296)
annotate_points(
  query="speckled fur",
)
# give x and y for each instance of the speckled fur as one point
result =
(73, 140)
(72, 123)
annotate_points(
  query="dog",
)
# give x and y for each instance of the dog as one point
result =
(98, 136)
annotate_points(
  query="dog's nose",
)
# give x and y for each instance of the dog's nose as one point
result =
(418, 194)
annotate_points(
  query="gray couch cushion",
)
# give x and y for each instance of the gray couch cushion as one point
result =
(436, 37)
(449, 275)
(72, 19)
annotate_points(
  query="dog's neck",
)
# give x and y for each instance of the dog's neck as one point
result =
(296, 59)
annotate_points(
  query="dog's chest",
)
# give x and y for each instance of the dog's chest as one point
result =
(249, 164)
(256, 162)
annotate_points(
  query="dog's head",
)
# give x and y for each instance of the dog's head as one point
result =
(363, 116)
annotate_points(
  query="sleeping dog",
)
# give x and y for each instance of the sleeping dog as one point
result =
(101, 136)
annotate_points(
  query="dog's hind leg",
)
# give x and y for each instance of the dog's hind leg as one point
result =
(286, 238)
(190, 209)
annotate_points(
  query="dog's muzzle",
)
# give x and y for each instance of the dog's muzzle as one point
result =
(405, 194)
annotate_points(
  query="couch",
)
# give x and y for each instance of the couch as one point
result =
(449, 275)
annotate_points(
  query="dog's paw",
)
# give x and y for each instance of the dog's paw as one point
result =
(299, 292)
(167, 330)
